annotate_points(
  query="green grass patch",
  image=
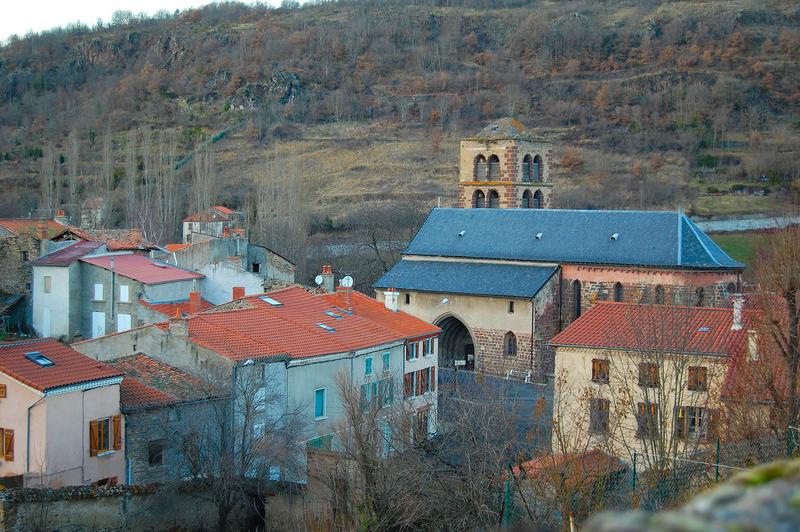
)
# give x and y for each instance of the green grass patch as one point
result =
(732, 204)
(740, 246)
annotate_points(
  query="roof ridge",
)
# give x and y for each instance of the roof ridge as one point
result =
(30, 341)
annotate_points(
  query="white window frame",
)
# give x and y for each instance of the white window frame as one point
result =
(124, 293)
(120, 321)
(98, 292)
(47, 284)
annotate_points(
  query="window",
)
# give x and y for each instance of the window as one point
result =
(511, 307)
(24, 256)
(659, 299)
(731, 288)
(98, 292)
(537, 199)
(479, 199)
(321, 442)
(646, 420)
(430, 379)
(510, 344)
(105, 435)
(526, 200)
(428, 347)
(494, 199)
(386, 391)
(493, 170)
(386, 359)
(648, 375)
(408, 299)
(48, 284)
(692, 422)
(378, 393)
(598, 416)
(699, 297)
(576, 299)
(423, 417)
(697, 378)
(7, 445)
(155, 452)
(537, 168)
(368, 366)
(39, 359)
(319, 403)
(410, 384)
(411, 351)
(479, 171)
(256, 267)
(618, 292)
(123, 322)
(600, 371)
(2, 391)
(527, 168)
(124, 293)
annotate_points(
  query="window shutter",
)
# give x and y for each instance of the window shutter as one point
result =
(2, 391)
(713, 419)
(8, 441)
(117, 420)
(420, 381)
(93, 437)
(407, 385)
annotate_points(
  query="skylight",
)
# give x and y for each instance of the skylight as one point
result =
(704, 329)
(326, 327)
(332, 314)
(37, 358)
(273, 302)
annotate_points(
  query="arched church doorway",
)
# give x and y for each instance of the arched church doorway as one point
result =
(456, 346)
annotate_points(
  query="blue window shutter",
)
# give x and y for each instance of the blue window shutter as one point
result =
(368, 366)
(386, 358)
(319, 403)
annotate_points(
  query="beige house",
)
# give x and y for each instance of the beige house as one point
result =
(643, 378)
(60, 421)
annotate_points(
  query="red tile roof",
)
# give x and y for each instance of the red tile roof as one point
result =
(669, 328)
(143, 269)
(68, 255)
(70, 367)
(291, 328)
(223, 209)
(176, 247)
(571, 469)
(30, 226)
(217, 213)
(169, 309)
(115, 239)
(150, 382)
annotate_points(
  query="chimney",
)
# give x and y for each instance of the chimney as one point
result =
(194, 302)
(61, 217)
(41, 229)
(238, 292)
(327, 278)
(738, 305)
(391, 299)
(178, 325)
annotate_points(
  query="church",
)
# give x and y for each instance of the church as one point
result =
(504, 273)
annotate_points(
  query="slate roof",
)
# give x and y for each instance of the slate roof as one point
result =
(67, 255)
(258, 329)
(70, 367)
(502, 280)
(143, 269)
(644, 238)
(663, 328)
(149, 382)
(503, 129)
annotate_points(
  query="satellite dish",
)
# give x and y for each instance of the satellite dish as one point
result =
(347, 282)
(318, 279)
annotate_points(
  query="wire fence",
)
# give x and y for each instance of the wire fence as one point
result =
(553, 493)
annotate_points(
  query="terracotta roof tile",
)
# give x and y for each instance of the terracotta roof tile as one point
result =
(292, 328)
(30, 226)
(69, 366)
(169, 308)
(143, 269)
(176, 247)
(668, 328)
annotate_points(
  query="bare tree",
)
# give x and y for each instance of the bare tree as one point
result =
(47, 181)
(204, 185)
(107, 172)
(73, 168)
(131, 179)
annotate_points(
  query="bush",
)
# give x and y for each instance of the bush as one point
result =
(712, 190)
(707, 161)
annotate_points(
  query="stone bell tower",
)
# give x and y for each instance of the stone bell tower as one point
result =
(503, 166)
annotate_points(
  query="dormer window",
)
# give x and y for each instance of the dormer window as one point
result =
(38, 358)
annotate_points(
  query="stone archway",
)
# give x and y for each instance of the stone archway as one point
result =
(456, 345)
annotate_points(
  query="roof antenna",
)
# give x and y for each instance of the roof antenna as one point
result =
(347, 284)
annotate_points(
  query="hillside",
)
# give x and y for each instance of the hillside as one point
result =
(680, 104)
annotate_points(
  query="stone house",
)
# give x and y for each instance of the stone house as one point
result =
(60, 419)
(214, 222)
(297, 345)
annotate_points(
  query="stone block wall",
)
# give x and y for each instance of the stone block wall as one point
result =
(16, 254)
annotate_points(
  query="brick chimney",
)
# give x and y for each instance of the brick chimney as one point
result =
(238, 292)
(391, 299)
(738, 306)
(178, 325)
(61, 217)
(194, 303)
(327, 279)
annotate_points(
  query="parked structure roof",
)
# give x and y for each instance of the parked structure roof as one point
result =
(638, 238)
(149, 382)
(295, 323)
(662, 328)
(143, 269)
(484, 279)
(67, 255)
(68, 367)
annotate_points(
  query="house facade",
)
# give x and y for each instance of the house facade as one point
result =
(214, 222)
(60, 417)
(298, 348)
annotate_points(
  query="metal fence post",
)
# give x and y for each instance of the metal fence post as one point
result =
(634, 470)
(716, 467)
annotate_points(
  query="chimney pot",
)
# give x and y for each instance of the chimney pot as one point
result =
(238, 292)
(194, 303)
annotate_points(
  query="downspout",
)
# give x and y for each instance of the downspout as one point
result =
(28, 436)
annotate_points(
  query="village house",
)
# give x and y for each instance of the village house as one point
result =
(60, 419)
(502, 275)
(636, 377)
(217, 221)
(297, 346)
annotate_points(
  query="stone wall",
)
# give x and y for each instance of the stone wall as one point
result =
(16, 254)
